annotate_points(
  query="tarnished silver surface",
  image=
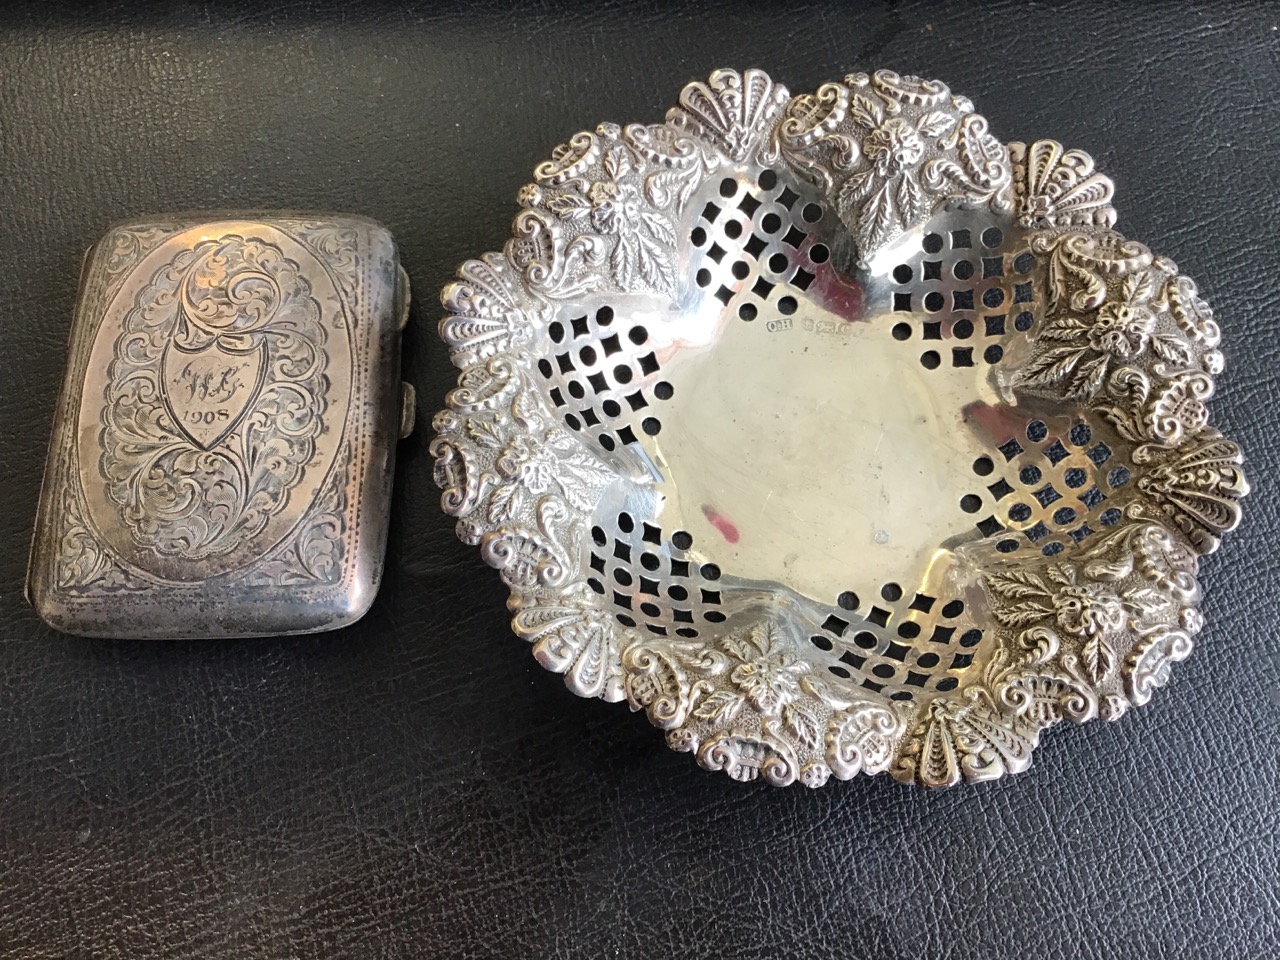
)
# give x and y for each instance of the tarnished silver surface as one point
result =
(222, 452)
(835, 434)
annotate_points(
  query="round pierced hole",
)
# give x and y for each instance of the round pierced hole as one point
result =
(576, 390)
(598, 536)
(848, 600)
(611, 408)
(930, 359)
(595, 585)
(747, 311)
(819, 253)
(866, 640)
(840, 672)
(768, 180)
(822, 643)
(787, 306)
(1075, 478)
(544, 367)
(932, 243)
(1110, 517)
(902, 331)
(588, 356)
(883, 670)
(771, 223)
(933, 302)
(970, 638)
(902, 273)
(927, 660)
(1037, 430)
(1080, 434)
(1007, 546)
(963, 269)
(733, 229)
(625, 523)
(607, 441)
(698, 236)
(740, 270)
(962, 329)
(623, 576)
(714, 616)
(947, 684)
(991, 237)
(728, 187)
(1030, 475)
(687, 632)
(664, 390)
(1052, 549)
(983, 466)
(650, 610)
(1022, 323)
(556, 330)
(604, 316)
(649, 561)
(992, 297)
(572, 421)
(811, 213)
(971, 503)
(681, 540)
(622, 373)
(703, 277)
(993, 353)
(652, 426)
(1020, 513)
(1064, 516)
(953, 609)
(710, 571)
(637, 335)
(891, 592)
(778, 263)
(1024, 262)
(908, 629)
(678, 593)
(1118, 477)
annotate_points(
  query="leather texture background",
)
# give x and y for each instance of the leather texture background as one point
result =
(415, 786)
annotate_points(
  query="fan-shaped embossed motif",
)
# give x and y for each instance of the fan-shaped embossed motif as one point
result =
(835, 434)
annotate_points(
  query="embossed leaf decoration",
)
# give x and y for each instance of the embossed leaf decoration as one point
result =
(1099, 657)
(804, 723)
(720, 707)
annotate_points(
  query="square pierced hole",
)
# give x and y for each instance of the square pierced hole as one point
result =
(931, 270)
(762, 288)
(755, 245)
(649, 363)
(923, 603)
(834, 624)
(802, 279)
(794, 237)
(878, 616)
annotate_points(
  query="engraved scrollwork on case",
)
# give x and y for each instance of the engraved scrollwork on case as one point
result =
(216, 396)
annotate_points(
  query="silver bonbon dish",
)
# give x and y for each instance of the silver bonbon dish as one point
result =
(835, 434)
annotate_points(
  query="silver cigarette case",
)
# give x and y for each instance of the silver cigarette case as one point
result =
(222, 452)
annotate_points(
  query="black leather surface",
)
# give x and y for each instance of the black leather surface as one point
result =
(415, 786)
